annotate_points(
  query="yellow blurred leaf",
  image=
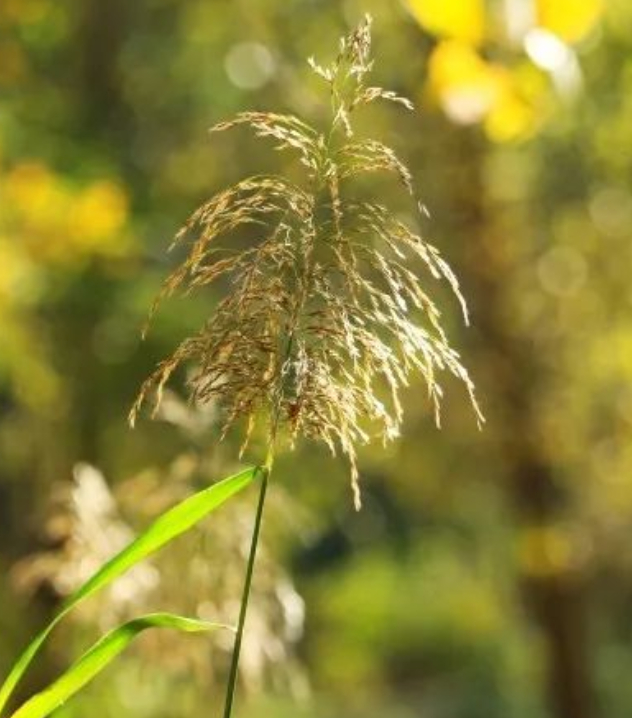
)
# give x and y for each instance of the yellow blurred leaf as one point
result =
(511, 118)
(59, 223)
(100, 212)
(467, 85)
(29, 186)
(471, 90)
(458, 19)
(570, 20)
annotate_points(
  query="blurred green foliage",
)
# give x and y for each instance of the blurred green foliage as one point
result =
(490, 573)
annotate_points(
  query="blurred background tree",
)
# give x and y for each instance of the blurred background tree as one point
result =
(490, 573)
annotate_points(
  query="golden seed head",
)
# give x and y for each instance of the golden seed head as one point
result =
(325, 320)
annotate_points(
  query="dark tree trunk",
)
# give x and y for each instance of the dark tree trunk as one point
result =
(555, 598)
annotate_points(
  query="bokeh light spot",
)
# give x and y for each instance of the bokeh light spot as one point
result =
(249, 65)
(611, 211)
(546, 49)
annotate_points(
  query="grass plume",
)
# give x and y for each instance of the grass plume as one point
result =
(327, 315)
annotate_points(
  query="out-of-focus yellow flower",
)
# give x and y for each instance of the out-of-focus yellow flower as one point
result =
(59, 223)
(28, 187)
(99, 213)
(37, 211)
(38, 199)
(569, 19)
(511, 117)
(458, 19)
(471, 90)
(467, 86)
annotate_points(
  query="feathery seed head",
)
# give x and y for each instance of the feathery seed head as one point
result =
(325, 319)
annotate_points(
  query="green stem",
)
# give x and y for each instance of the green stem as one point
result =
(234, 666)
(266, 470)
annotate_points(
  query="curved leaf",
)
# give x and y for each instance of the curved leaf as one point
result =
(165, 528)
(99, 657)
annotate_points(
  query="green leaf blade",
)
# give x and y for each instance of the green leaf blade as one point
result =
(99, 656)
(164, 529)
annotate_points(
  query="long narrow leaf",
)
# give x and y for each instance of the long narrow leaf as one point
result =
(99, 657)
(171, 524)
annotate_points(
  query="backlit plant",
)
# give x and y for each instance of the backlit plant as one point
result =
(324, 322)
(326, 317)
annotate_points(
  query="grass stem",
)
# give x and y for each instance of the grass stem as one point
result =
(232, 679)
